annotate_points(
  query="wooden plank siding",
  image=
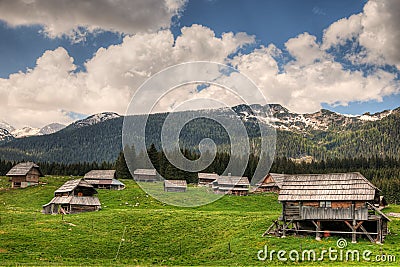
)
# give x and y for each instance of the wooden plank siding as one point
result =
(312, 213)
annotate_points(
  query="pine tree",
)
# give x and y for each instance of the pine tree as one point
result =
(153, 156)
(121, 168)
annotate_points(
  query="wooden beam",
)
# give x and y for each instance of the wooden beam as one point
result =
(269, 228)
(367, 234)
(358, 224)
(378, 211)
(349, 225)
(316, 225)
(332, 232)
(285, 225)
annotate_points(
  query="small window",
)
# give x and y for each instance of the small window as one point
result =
(325, 204)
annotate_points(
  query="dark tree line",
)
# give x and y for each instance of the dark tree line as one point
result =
(52, 168)
(382, 172)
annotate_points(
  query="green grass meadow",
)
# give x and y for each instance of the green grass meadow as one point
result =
(135, 229)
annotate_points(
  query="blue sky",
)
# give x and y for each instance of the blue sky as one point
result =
(24, 41)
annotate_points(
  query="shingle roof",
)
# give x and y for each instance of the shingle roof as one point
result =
(145, 172)
(100, 174)
(74, 200)
(23, 168)
(332, 186)
(207, 175)
(175, 183)
(277, 180)
(233, 180)
(72, 184)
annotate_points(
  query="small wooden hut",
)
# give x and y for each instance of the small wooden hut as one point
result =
(175, 185)
(232, 185)
(336, 203)
(72, 197)
(206, 179)
(145, 175)
(271, 183)
(103, 179)
(24, 174)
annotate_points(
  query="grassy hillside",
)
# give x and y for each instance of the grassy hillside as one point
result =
(226, 232)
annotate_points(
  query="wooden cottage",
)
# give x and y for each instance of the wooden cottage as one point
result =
(24, 174)
(337, 203)
(206, 179)
(175, 185)
(72, 197)
(271, 183)
(103, 179)
(145, 175)
(232, 185)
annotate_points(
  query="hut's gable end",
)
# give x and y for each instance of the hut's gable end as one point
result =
(271, 183)
(24, 174)
(175, 185)
(33, 175)
(145, 175)
(78, 187)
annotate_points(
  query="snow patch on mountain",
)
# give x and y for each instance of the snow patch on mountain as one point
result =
(280, 117)
(25, 132)
(51, 128)
(95, 119)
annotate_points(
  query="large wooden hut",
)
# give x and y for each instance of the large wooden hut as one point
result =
(232, 185)
(103, 179)
(24, 174)
(271, 183)
(175, 185)
(206, 179)
(145, 175)
(337, 203)
(72, 197)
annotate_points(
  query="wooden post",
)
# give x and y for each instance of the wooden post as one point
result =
(317, 230)
(300, 207)
(353, 229)
(354, 235)
(284, 230)
(284, 219)
(379, 231)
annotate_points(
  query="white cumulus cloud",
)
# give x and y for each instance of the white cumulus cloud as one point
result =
(376, 30)
(65, 17)
(111, 76)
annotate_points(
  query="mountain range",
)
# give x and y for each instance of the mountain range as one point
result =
(318, 135)
(8, 132)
